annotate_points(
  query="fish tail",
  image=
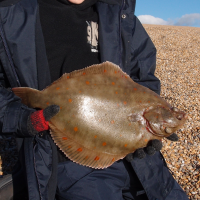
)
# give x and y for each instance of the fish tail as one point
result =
(28, 95)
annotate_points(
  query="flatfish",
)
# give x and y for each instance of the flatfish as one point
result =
(104, 115)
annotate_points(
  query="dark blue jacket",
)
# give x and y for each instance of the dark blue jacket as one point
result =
(122, 40)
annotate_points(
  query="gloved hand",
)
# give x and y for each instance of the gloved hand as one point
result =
(39, 120)
(152, 147)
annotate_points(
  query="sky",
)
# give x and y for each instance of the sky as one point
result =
(169, 12)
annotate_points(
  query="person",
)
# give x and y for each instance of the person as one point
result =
(41, 40)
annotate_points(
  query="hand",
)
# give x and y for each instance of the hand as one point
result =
(150, 149)
(39, 120)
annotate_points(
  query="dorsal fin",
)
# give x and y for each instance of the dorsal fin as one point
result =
(107, 68)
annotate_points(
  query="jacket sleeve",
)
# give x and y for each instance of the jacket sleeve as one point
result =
(13, 114)
(143, 58)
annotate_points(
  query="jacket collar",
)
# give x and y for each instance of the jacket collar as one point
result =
(118, 2)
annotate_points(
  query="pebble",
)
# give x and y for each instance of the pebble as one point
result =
(178, 68)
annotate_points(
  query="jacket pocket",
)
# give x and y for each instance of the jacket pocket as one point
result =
(69, 173)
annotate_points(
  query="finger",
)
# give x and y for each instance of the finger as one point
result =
(50, 111)
(139, 153)
(129, 157)
(150, 150)
(153, 146)
(173, 137)
(157, 144)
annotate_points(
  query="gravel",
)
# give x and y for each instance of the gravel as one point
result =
(178, 68)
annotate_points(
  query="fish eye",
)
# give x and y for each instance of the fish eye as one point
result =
(168, 130)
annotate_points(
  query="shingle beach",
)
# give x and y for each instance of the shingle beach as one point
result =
(178, 68)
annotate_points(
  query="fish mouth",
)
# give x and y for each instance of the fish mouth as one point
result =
(148, 128)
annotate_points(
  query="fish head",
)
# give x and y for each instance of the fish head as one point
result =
(162, 121)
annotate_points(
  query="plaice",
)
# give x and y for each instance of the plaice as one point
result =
(104, 115)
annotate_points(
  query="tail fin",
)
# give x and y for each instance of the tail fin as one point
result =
(27, 95)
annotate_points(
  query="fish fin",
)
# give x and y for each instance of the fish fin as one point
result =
(80, 154)
(107, 68)
(26, 94)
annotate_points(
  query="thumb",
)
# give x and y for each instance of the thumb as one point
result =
(50, 111)
(173, 137)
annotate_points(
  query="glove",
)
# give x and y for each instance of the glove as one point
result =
(150, 149)
(39, 120)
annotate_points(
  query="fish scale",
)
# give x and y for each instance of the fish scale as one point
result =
(104, 115)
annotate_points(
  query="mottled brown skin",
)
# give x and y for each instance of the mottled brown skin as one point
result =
(104, 115)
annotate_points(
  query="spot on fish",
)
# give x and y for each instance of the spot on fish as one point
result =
(130, 124)
(75, 129)
(105, 70)
(125, 102)
(64, 138)
(104, 144)
(86, 157)
(47, 103)
(67, 88)
(113, 159)
(97, 158)
(134, 89)
(116, 92)
(84, 73)
(148, 101)
(57, 88)
(69, 147)
(113, 83)
(87, 82)
(145, 140)
(70, 100)
(115, 72)
(125, 145)
(79, 149)
(79, 91)
(112, 122)
(67, 77)
(95, 136)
